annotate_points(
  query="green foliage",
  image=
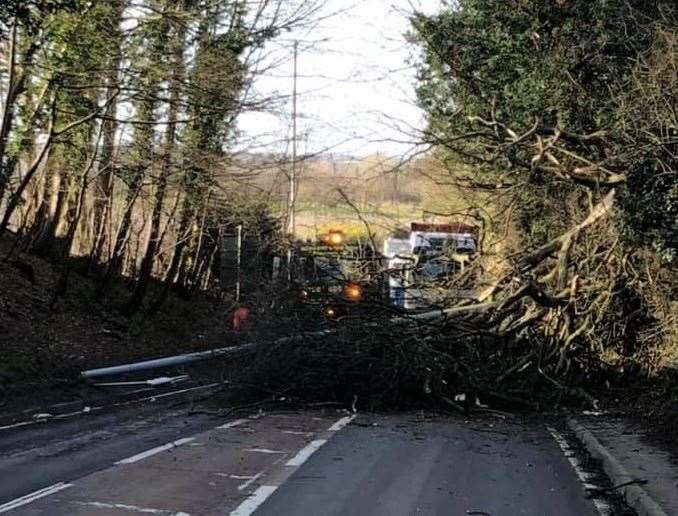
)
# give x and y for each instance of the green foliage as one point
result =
(532, 59)
(566, 64)
(31, 14)
(650, 209)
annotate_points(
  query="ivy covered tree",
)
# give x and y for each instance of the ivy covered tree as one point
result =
(116, 117)
(563, 112)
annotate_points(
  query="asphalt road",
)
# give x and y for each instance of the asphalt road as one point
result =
(406, 467)
(38, 455)
(155, 459)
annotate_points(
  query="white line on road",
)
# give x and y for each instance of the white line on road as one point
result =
(259, 496)
(602, 507)
(131, 508)
(341, 423)
(33, 496)
(94, 409)
(15, 425)
(253, 501)
(303, 454)
(263, 450)
(250, 481)
(154, 451)
(232, 424)
(174, 393)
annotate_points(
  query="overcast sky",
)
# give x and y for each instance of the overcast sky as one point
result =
(354, 82)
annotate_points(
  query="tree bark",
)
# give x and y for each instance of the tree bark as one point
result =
(146, 268)
(8, 109)
(67, 248)
(103, 199)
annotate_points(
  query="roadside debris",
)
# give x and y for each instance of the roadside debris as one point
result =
(594, 491)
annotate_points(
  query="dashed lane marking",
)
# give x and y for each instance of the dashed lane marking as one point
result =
(250, 481)
(246, 508)
(154, 451)
(263, 450)
(232, 424)
(253, 501)
(88, 410)
(24, 500)
(259, 496)
(344, 421)
(16, 425)
(131, 508)
(304, 454)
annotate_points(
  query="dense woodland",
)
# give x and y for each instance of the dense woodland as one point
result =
(118, 123)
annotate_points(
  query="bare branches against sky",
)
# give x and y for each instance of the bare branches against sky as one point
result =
(354, 68)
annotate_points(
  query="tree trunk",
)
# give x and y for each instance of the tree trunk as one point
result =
(146, 268)
(143, 144)
(32, 169)
(177, 256)
(102, 206)
(8, 109)
(122, 236)
(67, 247)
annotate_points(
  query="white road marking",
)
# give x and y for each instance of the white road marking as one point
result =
(154, 451)
(250, 481)
(24, 500)
(341, 423)
(232, 424)
(295, 432)
(252, 502)
(93, 409)
(44, 418)
(15, 425)
(173, 393)
(259, 496)
(132, 508)
(303, 454)
(263, 450)
(602, 507)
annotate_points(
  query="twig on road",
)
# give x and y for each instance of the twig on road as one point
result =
(595, 491)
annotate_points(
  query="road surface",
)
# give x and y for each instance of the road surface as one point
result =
(157, 460)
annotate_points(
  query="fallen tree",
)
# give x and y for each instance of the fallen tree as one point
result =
(559, 123)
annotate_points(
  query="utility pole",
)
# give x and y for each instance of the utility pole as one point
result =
(291, 222)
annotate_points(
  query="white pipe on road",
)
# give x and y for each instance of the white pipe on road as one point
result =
(189, 358)
(168, 361)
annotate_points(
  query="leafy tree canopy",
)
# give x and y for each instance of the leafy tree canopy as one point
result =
(575, 66)
(30, 13)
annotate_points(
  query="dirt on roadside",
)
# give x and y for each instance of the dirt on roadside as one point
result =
(43, 346)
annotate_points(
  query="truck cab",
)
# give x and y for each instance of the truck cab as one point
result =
(418, 265)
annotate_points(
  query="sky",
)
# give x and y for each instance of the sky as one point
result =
(355, 83)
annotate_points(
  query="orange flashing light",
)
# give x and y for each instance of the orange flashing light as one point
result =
(353, 292)
(336, 237)
(333, 238)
